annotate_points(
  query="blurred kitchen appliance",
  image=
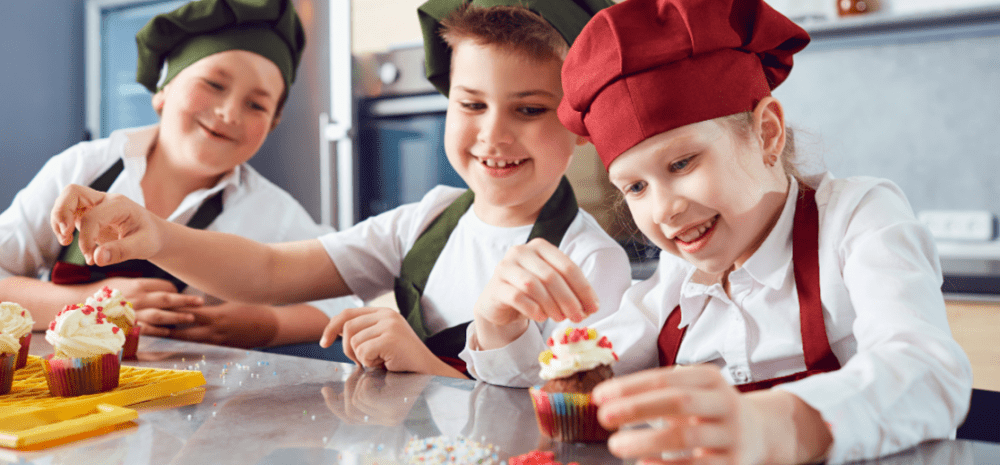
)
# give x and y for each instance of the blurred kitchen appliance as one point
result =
(114, 99)
(400, 132)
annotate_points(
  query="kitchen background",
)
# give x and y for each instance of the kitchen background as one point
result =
(910, 92)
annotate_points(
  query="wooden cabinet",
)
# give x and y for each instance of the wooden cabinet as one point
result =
(976, 326)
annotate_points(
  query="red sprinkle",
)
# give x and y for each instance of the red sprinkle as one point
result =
(52, 325)
(550, 342)
(114, 330)
(604, 342)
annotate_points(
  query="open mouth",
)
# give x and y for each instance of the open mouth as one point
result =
(693, 234)
(494, 163)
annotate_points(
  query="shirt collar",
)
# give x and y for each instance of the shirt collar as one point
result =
(769, 265)
(134, 144)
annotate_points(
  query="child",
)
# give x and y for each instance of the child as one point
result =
(502, 136)
(820, 295)
(224, 83)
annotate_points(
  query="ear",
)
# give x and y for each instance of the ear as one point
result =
(769, 125)
(158, 100)
(274, 122)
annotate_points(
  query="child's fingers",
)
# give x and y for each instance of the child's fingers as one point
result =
(336, 327)
(159, 317)
(522, 290)
(649, 442)
(72, 201)
(706, 376)
(573, 276)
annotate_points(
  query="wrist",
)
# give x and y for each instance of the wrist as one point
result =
(793, 432)
(493, 336)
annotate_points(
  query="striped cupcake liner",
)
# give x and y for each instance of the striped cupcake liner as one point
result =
(78, 376)
(567, 416)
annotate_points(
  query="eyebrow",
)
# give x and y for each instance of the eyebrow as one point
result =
(522, 94)
(256, 90)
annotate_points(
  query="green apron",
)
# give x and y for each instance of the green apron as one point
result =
(551, 224)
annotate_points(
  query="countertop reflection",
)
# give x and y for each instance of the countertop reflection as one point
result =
(263, 408)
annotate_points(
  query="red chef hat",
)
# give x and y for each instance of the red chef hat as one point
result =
(643, 67)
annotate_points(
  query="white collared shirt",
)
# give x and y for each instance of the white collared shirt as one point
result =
(903, 379)
(253, 207)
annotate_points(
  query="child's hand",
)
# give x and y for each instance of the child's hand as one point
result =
(704, 417)
(380, 338)
(536, 281)
(112, 227)
(154, 301)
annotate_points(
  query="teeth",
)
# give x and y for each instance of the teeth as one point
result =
(696, 232)
(500, 163)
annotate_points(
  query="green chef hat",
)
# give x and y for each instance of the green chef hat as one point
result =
(566, 16)
(270, 28)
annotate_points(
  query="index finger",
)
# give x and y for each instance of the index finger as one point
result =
(571, 273)
(656, 379)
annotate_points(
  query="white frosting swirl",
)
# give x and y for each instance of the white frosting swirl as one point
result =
(574, 350)
(111, 302)
(15, 319)
(9, 344)
(84, 332)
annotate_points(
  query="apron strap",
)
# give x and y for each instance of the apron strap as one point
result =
(819, 356)
(72, 268)
(552, 222)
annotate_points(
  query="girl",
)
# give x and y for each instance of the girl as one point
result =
(803, 314)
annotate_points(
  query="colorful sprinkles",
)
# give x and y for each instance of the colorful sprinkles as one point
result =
(445, 450)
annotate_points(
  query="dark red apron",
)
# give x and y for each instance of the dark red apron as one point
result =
(72, 268)
(819, 356)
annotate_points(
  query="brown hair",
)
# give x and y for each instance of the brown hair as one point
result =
(513, 28)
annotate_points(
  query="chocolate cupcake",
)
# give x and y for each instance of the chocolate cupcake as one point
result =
(578, 360)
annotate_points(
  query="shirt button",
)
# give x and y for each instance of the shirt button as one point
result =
(740, 376)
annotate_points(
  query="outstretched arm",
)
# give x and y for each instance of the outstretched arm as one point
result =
(114, 229)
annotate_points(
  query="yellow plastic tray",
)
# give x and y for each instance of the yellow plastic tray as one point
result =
(30, 415)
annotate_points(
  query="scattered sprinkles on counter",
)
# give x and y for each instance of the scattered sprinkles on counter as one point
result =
(449, 450)
(537, 457)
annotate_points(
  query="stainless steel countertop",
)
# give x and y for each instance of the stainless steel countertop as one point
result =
(262, 408)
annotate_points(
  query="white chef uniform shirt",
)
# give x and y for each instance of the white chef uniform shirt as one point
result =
(253, 207)
(903, 379)
(369, 256)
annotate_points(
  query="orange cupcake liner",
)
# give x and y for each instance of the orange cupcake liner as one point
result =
(78, 376)
(22, 355)
(567, 416)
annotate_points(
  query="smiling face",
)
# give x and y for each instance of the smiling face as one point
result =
(703, 192)
(216, 113)
(502, 134)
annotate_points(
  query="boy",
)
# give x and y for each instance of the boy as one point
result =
(223, 85)
(502, 136)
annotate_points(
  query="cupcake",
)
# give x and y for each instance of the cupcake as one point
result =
(87, 356)
(120, 312)
(16, 321)
(578, 359)
(9, 348)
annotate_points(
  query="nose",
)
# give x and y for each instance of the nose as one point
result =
(494, 130)
(667, 206)
(228, 110)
